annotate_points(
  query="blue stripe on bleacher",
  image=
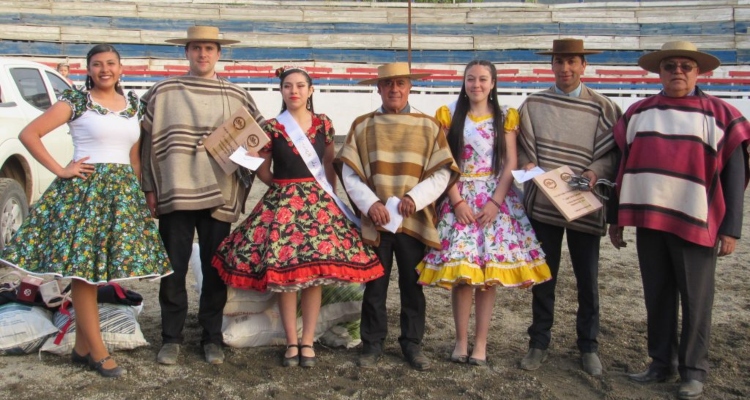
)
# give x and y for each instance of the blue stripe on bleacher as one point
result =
(615, 57)
(238, 27)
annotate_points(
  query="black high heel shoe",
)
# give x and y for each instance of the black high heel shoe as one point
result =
(80, 360)
(292, 361)
(115, 372)
(306, 362)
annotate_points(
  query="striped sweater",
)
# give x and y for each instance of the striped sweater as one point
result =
(392, 153)
(558, 130)
(180, 113)
(673, 154)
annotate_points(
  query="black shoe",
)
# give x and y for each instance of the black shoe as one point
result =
(652, 375)
(78, 359)
(306, 362)
(417, 360)
(292, 361)
(115, 372)
(690, 390)
(369, 360)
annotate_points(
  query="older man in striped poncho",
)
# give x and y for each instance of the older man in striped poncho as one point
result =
(568, 124)
(681, 184)
(399, 152)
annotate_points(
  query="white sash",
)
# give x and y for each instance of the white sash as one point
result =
(472, 136)
(311, 159)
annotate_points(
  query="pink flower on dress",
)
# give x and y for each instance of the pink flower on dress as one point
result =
(274, 235)
(312, 198)
(255, 258)
(466, 153)
(297, 238)
(283, 215)
(445, 243)
(325, 247)
(285, 253)
(347, 244)
(267, 216)
(259, 234)
(313, 232)
(333, 208)
(323, 217)
(297, 203)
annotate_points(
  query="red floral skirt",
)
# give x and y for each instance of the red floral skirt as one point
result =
(296, 237)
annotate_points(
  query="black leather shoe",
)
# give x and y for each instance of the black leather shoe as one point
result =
(652, 375)
(418, 360)
(369, 360)
(690, 390)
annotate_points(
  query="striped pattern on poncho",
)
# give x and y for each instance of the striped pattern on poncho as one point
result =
(673, 152)
(392, 153)
(558, 130)
(181, 112)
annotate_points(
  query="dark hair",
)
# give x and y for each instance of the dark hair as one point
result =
(101, 48)
(218, 45)
(282, 73)
(458, 120)
(583, 57)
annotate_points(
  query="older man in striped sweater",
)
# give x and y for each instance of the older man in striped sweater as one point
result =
(567, 124)
(681, 184)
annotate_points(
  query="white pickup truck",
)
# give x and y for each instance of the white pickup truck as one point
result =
(27, 89)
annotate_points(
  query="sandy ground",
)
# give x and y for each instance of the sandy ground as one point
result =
(252, 373)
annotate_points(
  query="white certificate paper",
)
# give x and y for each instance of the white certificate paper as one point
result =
(522, 176)
(240, 157)
(392, 206)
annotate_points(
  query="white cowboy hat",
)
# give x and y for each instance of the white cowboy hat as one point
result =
(392, 71)
(651, 61)
(202, 34)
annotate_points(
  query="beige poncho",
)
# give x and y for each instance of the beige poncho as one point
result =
(181, 112)
(392, 153)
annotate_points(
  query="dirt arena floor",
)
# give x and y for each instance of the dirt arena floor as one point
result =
(256, 373)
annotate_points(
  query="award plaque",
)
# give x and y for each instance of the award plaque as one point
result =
(572, 203)
(240, 130)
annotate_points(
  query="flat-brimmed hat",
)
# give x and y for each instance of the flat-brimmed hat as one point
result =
(572, 47)
(392, 71)
(651, 61)
(202, 34)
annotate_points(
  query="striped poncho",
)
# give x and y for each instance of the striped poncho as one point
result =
(558, 130)
(673, 152)
(181, 112)
(392, 153)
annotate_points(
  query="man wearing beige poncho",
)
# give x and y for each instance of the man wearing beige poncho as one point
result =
(396, 152)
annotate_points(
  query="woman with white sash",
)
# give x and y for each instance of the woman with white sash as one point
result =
(300, 235)
(487, 239)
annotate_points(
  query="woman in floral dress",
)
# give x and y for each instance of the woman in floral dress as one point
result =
(92, 224)
(298, 237)
(487, 239)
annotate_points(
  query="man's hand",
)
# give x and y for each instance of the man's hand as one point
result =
(615, 236)
(406, 207)
(379, 214)
(591, 176)
(151, 203)
(726, 245)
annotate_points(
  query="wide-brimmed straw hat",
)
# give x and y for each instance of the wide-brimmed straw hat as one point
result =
(202, 34)
(392, 71)
(651, 61)
(572, 47)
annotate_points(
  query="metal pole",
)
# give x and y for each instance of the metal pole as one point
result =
(408, 49)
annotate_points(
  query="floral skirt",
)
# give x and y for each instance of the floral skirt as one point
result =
(96, 229)
(296, 237)
(505, 252)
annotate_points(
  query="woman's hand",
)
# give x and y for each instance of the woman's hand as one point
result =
(487, 214)
(463, 213)
(77, 169)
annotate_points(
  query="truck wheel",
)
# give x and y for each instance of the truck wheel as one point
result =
(13, 209)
